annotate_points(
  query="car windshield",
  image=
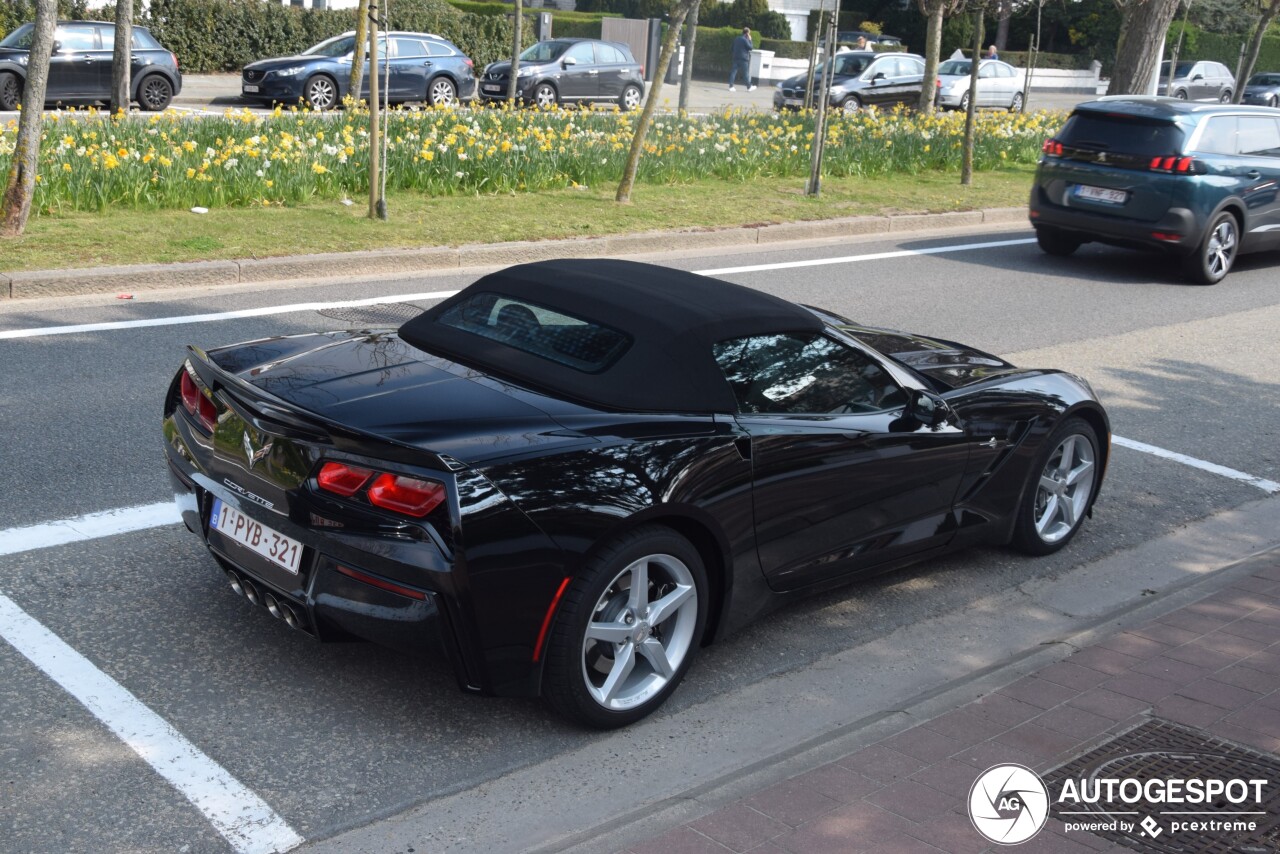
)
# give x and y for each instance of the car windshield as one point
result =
(1265, 80)
(19, 38)
(1120, 133)
(545, 51)
(956, 66)
(1183, 69)
(336, 46)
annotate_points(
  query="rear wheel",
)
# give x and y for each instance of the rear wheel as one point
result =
(154, 93)
(627, 629)
(442, 92)
(1225, 97)
(964, 103)
(321, 93)
(1217, 252)
(1057, 243)
(1016, 105)
(630, 98)
(1273, 101)
(10, 92)
(1060, 486)
(1181, 94)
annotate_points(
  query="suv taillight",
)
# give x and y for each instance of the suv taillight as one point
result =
(197, 402)
(1052, 146)
(409, 496)
(1174, 164)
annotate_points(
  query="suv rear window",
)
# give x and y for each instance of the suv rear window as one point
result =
(1121, 134)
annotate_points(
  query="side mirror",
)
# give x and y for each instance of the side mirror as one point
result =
(57, 47)
(927, 408)
(567, 61)
(879, 75)
(1197, 77)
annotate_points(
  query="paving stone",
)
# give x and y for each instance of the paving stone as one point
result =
(739, 827)
(1244, 735)
(1001, 708)
(961, 725)
(1109, 704)
(1251, 629)
(1040, 693)
(1219, 694)
(1038, 741)
(883, 764)
(952, 777)
(1134, 645)
(915, 801)
(839, 783)
(1104, 660)
(1231, 644)
(1202, 656)
(954, 834)
(1142, 687)
(1185, 710)
(1267, 662)
(925, 744)
(1257, 717)
(853, 827)
(1164, 667)
(1075, 722)
(905, 845)
(791, 803)
(1071, 675)
(1199, 623)
(680, 840)
(1167, 634)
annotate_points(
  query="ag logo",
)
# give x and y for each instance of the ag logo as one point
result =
(1008, 804)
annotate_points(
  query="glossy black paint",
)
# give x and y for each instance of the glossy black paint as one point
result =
(776, 505)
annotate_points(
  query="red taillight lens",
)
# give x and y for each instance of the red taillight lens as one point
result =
(1180, 165)
(197, 403)
(407, 495)
(469, 63)
(175, 59)
(343, 479)
(1052, 146)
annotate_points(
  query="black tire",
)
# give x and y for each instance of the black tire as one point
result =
(442, 93)
(1273, 101)
(964, 103)
(10, 92)
(1056, 243)
(1225, 97)
(1015, 106)
(321, 92)
(851, 104)
(1042, 528)
(544, 95)
(1213, 258)
(155, 93)
(575, 662)
(630, 98)
(1181, 94)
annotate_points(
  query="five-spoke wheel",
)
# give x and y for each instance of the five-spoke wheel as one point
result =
(1212, 260)
(1062, 486)
(627, 630)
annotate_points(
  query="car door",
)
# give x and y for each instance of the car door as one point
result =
(74, 68)
(1258, 153)
(579, 78)
(841, 482)
(1202, 83)
(613, 71)
(345, 68)
(409, 67)
(910, 79)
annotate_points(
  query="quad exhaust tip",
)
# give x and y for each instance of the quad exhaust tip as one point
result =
(278, 608)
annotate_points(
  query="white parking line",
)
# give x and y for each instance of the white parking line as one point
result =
(1262, 483)
(240, 816)
(37, 332)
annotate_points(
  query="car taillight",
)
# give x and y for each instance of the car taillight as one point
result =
(198, 403)
(469, 63)
(399, 493)
(342, 479)
(174, 56)
(407, 495)
(1174, 164)
(1052, 146)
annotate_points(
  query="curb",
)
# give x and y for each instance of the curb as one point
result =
(97, 280)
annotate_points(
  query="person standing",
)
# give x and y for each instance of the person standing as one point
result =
(992, 53)
(742, 47)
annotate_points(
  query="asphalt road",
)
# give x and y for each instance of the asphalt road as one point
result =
(339, 737)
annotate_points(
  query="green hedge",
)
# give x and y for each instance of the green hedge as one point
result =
(15, 13)
(1226, 49)
(785, 48)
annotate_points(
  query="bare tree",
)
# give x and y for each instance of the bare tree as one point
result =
(21, 183)
(1143, 25)
(690, 39)
(356, 80)
(122, 57)
(966, 158)
(935, 11)
(1269, 13)
(681, 11)
(515, 53)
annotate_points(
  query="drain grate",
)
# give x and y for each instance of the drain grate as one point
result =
(386, 314)
(1159, 750)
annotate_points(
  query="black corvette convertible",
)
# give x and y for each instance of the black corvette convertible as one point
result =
(572, 474)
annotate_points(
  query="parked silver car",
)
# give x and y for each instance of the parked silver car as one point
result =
(999, 84)
(1198, 81)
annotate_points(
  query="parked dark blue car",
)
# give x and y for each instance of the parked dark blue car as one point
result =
(1263, 89)
(1199, 181)
(80, 66)
(411, 67)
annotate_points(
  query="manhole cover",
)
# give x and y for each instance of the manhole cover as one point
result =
(1116, 804)
(386, 314)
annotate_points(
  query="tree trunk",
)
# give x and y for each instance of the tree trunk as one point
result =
(21, 183)
(1255, 45)
(1142, 29)
(651, 103)
(932, 47)
(1005, 12)
(966, 159)
(356, 81)
(690, 38)
(515, 52)
(122, 58)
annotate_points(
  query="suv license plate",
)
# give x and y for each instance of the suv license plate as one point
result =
(282, 551)
(1101, 194)
(250, 87)
(491, 87)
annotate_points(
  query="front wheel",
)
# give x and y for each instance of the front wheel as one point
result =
(1181, 94)
(1273, 101)
(1225, 97)
(442, 92)
(321, 93)
(10, 92)
(1212, 260)
(630, 98)
(545, 96)
(964, 103)
(1059, 488)
(155, 93)
(851, 104)
(1056, 243)
(627, 629)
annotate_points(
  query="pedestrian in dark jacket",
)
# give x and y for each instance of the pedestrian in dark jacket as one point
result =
(742, 47)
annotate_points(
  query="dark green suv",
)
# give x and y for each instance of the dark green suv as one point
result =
(1200, 181)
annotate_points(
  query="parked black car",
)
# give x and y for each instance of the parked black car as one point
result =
(569, 71)
(852, 36)
(411, 67)
(862, 79)
(573, 474)
(1262, 89)
(1198, 181)
(80, 66)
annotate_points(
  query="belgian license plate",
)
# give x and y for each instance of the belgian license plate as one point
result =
(250, 87)
(1101, 194)
(491, 87)
(282, 551)
(792, 102)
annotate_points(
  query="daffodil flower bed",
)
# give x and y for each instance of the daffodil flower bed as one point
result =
(90, 161)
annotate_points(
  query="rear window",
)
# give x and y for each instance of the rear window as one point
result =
(538, 331)
(144, 40)
(19, 38)
(1121, 133)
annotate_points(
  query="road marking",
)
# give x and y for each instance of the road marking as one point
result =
(89, 527)
(223, 315)
(393, 298)
(240, 816)
(872, 256)
(1261, 483)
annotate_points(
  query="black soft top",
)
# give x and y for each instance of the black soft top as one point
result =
(672, 318)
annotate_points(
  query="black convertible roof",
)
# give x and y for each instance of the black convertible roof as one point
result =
(672, 317)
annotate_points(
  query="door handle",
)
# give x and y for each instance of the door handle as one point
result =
(1253, 174)
(428, 63)
(593, 71)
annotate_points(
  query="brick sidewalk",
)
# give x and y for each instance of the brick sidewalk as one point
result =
(1213, 665)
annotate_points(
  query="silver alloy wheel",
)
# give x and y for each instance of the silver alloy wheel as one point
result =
(321, 93)
(442, 93)
(1016, 106)
(544, 96)
(851, 104)
(630, 98)
(1220, 248)
(640, 632)
(1066, 485)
